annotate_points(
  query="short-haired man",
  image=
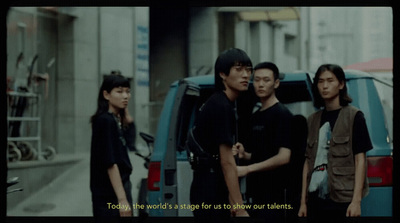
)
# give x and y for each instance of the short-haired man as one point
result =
(267, 147)
(215, 182)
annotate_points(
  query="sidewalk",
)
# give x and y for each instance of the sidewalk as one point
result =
(69, 194)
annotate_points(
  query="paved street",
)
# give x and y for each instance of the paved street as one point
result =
(69, 194)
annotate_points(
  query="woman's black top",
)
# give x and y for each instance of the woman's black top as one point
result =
(109, 146)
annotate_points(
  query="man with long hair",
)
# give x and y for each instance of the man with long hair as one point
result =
(334, 173)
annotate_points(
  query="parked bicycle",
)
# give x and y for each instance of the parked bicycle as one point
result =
(21, 99)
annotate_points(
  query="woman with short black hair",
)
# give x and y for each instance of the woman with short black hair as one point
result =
(113, 133)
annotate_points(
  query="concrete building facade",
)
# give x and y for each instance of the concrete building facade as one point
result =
(155, 46)
(87, 43)
(348, 35)
(84, 44)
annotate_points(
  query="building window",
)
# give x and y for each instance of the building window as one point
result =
(290, 45)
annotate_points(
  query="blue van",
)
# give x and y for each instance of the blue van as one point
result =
(170, 174)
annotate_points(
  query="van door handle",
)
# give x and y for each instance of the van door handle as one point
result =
(170, 177)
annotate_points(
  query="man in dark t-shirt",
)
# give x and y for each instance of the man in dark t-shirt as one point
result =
(318, 190)
(334, 173)
(215, 123)
(215, 185)
(267, 147)
(269, 133)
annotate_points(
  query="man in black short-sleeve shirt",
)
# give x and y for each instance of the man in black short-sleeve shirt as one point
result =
(270, 132)
(268, 147)
(217, 184)
(215, 124)
(334, 173)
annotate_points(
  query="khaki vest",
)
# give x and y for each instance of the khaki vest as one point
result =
(341, 164)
